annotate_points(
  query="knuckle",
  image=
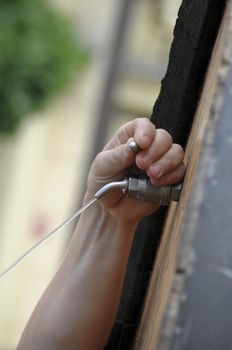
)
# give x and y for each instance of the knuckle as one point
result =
(180, 171)
(168, 163)
(165, 136)
(99, 158)
(182, 168)
(114, 157)
(143, 121)
(178, 151)
(171, 162)
(122, 131)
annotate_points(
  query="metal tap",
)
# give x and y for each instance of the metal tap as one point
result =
(141, 188)
(137, 187)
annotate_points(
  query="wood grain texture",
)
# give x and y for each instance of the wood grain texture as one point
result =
(205, 254)
(165, 265)
(194, 36)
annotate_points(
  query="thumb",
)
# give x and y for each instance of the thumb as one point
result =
(112, 163)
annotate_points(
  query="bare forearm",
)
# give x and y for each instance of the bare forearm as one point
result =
(78, 308)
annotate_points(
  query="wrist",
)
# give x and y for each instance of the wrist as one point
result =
(99, 233)
(100, 214)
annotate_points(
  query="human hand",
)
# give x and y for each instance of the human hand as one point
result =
(159, 157)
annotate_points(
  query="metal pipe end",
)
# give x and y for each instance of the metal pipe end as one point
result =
(112, 186)
(133, 146)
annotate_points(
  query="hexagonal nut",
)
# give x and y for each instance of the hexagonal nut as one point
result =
(176, 191)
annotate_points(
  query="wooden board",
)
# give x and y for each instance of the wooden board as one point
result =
(194, 37)
(150, 335)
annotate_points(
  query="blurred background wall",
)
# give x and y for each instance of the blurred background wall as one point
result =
(43, 163)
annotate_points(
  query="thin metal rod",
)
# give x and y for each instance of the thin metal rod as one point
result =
(45, 238)
(117, 185)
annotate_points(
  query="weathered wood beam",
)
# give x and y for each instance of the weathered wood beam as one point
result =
(203, 293)
(194, 37)
(151, 335)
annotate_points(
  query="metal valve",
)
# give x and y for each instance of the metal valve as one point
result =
(141, 188)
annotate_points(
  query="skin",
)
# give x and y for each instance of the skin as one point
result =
(78, 308)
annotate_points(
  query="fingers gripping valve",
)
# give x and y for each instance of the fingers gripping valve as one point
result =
(137, 187)
(141, 187)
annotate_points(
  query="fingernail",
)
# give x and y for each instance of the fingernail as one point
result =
(157, 170)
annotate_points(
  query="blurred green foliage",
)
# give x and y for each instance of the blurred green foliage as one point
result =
(39, 54)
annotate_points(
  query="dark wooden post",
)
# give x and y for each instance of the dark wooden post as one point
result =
(194, 38)
(201, 292)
